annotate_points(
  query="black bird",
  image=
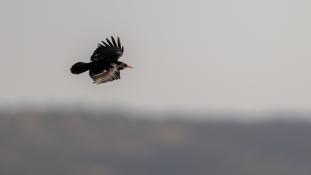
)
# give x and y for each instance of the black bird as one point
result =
(104, 65)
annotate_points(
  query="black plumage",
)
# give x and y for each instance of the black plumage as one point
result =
(104, 65)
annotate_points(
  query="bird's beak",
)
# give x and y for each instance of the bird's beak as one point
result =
(130, 67)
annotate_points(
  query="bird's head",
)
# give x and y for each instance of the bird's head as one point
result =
(122, 65)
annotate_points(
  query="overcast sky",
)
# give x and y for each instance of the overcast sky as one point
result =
(240, 55)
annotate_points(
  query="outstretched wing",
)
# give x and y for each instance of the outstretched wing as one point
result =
(106, 76)
(108, 51)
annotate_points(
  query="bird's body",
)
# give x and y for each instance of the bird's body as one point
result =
(104, 65)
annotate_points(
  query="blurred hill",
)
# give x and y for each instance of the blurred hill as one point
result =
(69, 142)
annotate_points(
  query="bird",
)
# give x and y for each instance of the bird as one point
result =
(104, 65)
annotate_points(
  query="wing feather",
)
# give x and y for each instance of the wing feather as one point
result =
(108, 51)
(110, 44)
(119, 44)
(114, 42)
(105, 44)
(106, 76)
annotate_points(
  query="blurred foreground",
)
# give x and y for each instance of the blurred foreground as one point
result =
(83, 143)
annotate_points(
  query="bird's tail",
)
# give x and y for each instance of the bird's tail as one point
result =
(80, 67)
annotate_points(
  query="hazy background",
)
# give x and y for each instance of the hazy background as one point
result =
(242, 55)
(199, 66)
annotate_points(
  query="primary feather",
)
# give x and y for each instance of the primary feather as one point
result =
(108, 52)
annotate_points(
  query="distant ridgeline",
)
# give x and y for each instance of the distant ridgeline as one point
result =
(83, 142)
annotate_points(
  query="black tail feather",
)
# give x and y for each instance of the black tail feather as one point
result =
(80, 67)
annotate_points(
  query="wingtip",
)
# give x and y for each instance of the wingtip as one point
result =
(109, 42)
(106, 45)
(114, 42)
(119, 43)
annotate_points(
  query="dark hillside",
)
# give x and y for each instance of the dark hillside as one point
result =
(80, 143)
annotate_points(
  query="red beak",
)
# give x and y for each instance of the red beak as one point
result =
(130, 66)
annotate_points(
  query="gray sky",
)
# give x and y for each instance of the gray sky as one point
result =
(241, 55)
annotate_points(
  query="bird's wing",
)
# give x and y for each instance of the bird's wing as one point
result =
(106, 76)
(108, 51)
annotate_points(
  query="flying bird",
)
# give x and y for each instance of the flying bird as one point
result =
(104, 65)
